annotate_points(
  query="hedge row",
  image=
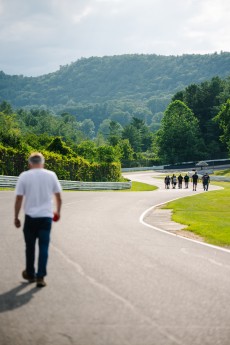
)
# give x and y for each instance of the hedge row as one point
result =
(13, 162)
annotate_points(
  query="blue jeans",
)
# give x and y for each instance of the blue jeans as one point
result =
(37, 228)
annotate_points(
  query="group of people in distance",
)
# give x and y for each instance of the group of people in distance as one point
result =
(174, 180)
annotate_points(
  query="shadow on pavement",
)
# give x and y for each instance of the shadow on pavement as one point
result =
(16, 298)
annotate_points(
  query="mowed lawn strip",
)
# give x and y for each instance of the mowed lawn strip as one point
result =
(141, 187)
(206, 214)
(225, 172)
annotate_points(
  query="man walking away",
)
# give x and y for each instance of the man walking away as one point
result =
(194, 181)
(186, 180)
(180, 180)
(174, 181)
(37, 186)
(167, 182)
(205, 181)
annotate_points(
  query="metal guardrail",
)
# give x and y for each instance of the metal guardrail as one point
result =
(79, 185)
(136, 169)
(219, 178)
(212, 177)
(10, 181)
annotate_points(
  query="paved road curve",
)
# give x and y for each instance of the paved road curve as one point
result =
(113, 281)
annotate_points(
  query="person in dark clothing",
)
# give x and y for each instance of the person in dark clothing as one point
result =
(180, 180)
(195, 178)
(167, 182)
(205, 181)
(174, 181)
(186, 180)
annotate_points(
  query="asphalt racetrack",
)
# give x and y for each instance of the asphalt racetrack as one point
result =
(112, 280)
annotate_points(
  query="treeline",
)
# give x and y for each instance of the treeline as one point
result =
(17, 141)
(131, 145)
(115, 88)
(194, 126)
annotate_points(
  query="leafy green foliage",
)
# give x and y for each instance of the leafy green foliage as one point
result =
(138, 134)
(115, 88)
(126, 150)
(115, 133)
(13, 162)
(97, 79)
(58, 146)
(205, 101)
(15, 148)
(179, 138)
(223, 118)
(9, 132)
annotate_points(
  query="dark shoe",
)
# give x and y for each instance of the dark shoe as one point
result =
(41, 282)
(27, 277)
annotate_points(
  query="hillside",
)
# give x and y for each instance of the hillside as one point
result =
(125, 77)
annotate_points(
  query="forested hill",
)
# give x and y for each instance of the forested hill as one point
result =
(126, 77)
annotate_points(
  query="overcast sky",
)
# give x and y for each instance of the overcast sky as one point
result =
(37, 36)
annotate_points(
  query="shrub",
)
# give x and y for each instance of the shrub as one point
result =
(13, 162)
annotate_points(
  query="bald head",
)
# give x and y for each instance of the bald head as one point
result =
(36, 160)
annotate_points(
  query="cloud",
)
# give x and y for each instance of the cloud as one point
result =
(85, 13)
(38, 36)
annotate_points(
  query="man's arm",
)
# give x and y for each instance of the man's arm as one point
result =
(17, 207)
(58, 203)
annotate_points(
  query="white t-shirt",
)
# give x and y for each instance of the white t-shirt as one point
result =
(38, 187)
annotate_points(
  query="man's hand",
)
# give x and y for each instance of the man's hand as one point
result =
(17, 207)
(56, 216)
(17, 222)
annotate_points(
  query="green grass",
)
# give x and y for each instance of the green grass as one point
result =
(207, 214)
(141, 187)
(225, 172)
(5, 188)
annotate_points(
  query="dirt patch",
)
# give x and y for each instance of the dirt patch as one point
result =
(162, 218)
(189, 234)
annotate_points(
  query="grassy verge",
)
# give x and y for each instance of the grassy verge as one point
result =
(5, 188)
(206, 214)
(225, 172)
(141, 187)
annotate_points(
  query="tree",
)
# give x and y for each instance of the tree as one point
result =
(115, 132)
(122, 117)
(58, 146)
(204, 101)
(104, 128)
(38, 142)
(107, 154)
(125, 149)
(179, 138)
(223, 118)
(138, 134)
(88, 128)
(6, 108)
(10, 134)
(88, 150)
(134, 136)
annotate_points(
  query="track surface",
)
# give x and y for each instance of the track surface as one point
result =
(112, 280)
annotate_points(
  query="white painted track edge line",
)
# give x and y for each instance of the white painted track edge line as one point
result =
(141, 220)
